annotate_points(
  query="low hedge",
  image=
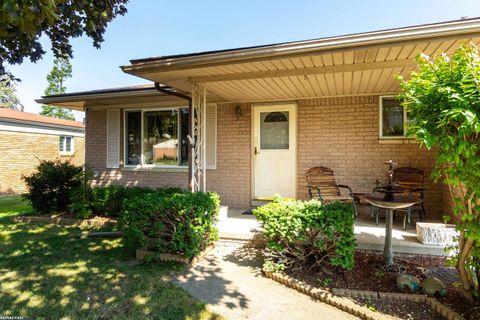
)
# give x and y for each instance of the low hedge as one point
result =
(108, 201)
(307, 234)
(167, 221)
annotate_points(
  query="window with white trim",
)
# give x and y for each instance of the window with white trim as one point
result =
(66, 145)
(156, 137)
(393, 118)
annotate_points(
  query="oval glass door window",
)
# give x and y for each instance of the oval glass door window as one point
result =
(274, 133)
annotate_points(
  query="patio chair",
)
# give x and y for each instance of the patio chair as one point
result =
(412, 180)
(321, 185)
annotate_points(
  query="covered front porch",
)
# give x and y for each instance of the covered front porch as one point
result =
(329, 94)
(239, 225)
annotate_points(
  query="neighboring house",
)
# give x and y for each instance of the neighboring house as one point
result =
(165, 150)
(27, 138)
(261, 116)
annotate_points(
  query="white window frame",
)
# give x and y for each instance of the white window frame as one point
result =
(142, 164)
(63, 151)
(380, 121)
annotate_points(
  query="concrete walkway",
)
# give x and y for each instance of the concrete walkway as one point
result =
(229, 281)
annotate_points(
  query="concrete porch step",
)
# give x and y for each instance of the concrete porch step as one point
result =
(241, 228)
(230, 242)
(257, 203)
(362, 244)
(399, 246)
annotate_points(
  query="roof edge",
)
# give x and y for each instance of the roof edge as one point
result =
(82, 96)
(103, 91)
(455, 27)
(43, 124)
(95, 94)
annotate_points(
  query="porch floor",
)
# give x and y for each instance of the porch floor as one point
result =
(234, 225)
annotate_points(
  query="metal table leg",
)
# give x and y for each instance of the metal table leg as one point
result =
(387, 249)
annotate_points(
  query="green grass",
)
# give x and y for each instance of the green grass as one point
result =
(48, 272)
(13, 205)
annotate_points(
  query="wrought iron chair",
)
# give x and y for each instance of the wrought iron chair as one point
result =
(321, 185)
(411, 180)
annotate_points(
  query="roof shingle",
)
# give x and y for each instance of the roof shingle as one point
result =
(32, 117)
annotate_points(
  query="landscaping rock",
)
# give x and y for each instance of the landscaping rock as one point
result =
(436, 233)
(408, 280)
(449, 275)
(433, 285)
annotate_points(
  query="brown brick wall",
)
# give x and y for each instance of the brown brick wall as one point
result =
(95, 133)
(232, 179)
(20, 153)
(341, 133)
(448, 203)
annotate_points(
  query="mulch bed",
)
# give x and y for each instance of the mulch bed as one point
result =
(400, 309)
(368, 274)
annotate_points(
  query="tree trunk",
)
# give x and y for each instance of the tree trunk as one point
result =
(463, 272)
(465, 246)
(477, 273)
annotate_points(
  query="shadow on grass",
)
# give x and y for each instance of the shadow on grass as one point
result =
(47, 271)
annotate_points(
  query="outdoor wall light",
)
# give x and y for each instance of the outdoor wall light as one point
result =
(238, 111)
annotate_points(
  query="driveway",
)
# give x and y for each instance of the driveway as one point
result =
(229, 281)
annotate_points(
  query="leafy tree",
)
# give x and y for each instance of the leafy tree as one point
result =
(62, 70)
(22, 23)
(8, 98)
(443, 97)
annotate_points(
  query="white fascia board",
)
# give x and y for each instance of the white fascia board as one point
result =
(453, 28)
(12, 127)
(95, 96)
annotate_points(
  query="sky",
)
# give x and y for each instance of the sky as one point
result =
(155, 28)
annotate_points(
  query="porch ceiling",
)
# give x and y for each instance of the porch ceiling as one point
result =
(347, 72)
(356, 64)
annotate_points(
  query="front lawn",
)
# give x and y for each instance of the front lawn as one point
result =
(47, 271)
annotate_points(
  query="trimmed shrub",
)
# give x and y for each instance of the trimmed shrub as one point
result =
(80, 196)
(49, 187)
(307, 234)
(169, 221)
(108, 201)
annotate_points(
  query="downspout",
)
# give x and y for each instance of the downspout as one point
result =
(168, 90)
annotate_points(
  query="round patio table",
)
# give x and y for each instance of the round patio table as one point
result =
(390, 202)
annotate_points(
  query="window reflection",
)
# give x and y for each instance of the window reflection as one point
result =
(160, 137)
(392, 118)
(164, 137)
(133, 143)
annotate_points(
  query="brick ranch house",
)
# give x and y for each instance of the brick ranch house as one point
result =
(26, 138)
(248, 122)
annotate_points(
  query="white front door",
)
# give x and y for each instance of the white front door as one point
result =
(274, 150)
